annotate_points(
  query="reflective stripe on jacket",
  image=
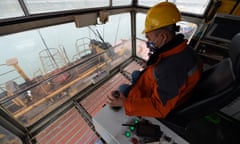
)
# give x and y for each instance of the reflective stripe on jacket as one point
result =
(164, 84)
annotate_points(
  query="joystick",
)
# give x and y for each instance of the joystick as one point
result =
(116, 95)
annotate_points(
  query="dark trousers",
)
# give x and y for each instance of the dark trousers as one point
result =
(125, 88)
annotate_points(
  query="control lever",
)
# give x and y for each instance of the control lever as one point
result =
(116, 95)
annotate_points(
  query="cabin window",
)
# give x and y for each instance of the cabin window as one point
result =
(42, 68)
(44, 6)
(195, 7)
(10, 9)
(121, 2)
(141, 49)
(188, 29)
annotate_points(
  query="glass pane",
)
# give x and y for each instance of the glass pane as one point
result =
(193, 7)
(43, 6)
(42, 68)
(188, 29)
(121, 2)
(7, 137)
(141, 49)
(196, 7)
(10, 8)
(140, 20)
(149, 3)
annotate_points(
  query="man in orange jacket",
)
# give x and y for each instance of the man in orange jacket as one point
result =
(172, 70)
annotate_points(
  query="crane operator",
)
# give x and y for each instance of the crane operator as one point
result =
(172, 71)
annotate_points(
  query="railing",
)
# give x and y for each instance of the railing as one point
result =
(45, 93)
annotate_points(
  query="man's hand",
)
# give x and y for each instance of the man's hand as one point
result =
(112, 101)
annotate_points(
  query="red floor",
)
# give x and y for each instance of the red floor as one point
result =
(95, 101)
(70, 128)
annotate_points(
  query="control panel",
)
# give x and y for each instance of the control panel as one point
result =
(117, 128)
(213, 52)
(215, 42)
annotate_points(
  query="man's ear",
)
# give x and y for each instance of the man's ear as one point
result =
(162, 37)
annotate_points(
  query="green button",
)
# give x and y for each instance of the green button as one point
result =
(136, 121)
(127, 134)
(132, 128)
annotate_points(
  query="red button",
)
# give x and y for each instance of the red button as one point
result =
(134, 140)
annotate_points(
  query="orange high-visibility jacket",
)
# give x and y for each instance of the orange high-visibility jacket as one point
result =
(165, 83)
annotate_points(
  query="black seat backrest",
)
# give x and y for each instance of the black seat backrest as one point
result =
(218, 86)
(215, 83)
(235, 55)
(215, 80)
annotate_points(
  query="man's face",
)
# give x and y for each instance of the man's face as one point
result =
(151, 43)
(151, 36)
(159, 38)
(155, 38)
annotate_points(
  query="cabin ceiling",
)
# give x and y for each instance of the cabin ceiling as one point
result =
(20, 15)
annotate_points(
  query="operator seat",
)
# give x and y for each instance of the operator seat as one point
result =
(218, 86)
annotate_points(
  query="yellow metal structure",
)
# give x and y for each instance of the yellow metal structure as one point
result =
(14, 62)
(231, 7)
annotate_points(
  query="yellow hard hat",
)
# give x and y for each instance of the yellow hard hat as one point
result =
(161, 15)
